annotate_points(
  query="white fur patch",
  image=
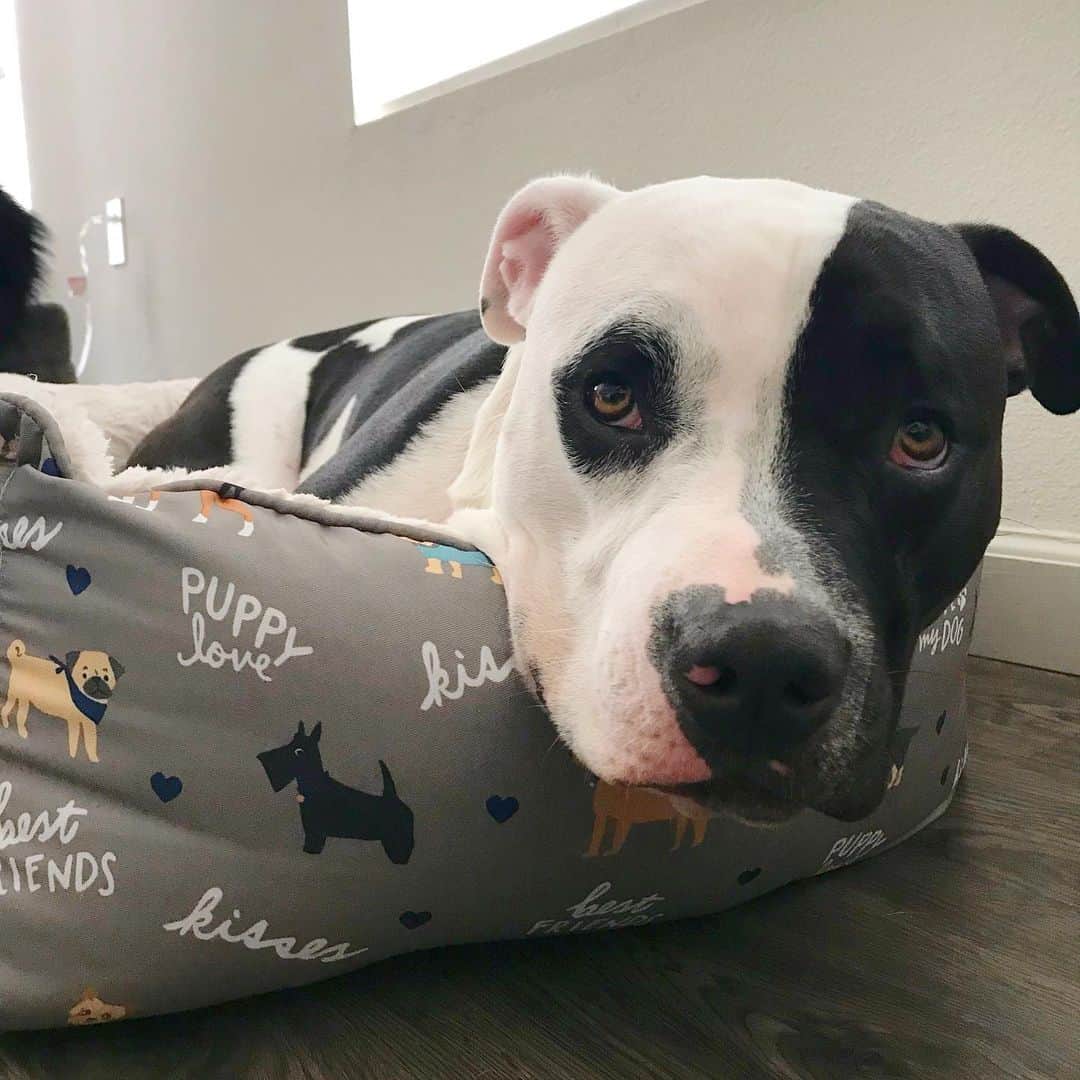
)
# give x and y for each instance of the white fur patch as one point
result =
(379, 334)
(417, 481)
(269, 410)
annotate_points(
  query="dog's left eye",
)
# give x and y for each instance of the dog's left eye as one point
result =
(298, 751)
(612, 402)
(919, 443)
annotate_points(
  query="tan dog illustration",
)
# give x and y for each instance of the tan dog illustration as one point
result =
(628, 806)
(208, 500)
(90, 1009)
(76, 689)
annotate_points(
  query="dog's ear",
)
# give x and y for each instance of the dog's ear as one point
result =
(22, 239)
(117, 667)
(530, 230)
(316, 731)
(300, 728)
(71, 658)
(1036, 313)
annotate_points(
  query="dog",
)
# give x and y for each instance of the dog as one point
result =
(731, 443)
(77, 689)
(90, 1009)
(330, 808)
(438, 554)
(208, 500)
(629, 806)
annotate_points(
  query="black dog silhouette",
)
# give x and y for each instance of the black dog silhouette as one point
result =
(330, 808)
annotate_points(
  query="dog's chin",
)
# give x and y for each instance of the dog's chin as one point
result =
(773, 800)
(740, 798)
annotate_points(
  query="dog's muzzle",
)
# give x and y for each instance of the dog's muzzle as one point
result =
(96, 687)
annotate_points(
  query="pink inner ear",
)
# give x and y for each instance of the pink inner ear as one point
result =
(525, 257)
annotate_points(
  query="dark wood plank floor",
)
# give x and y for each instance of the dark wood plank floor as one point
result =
(956, 955)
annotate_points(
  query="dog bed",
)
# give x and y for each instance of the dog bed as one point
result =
(249, 742)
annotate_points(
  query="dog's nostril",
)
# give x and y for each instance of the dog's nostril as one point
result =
(803, 693)
(715, 679)
(703, 674)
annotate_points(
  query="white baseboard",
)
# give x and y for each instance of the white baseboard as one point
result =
(1029, 600)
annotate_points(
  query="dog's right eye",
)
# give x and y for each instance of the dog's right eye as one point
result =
(298, 751)
(612, 402)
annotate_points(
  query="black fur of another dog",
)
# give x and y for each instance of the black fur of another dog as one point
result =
(330, 808)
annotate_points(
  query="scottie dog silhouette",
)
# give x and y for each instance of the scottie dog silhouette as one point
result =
(330, 808)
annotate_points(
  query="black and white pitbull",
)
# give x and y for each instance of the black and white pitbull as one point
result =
(731, 443)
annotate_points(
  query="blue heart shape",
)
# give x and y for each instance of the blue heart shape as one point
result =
(502, 810)
(166, 788)
(412, 920)
(78, 579)
(49, 467)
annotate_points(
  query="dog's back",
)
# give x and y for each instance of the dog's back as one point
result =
(348, 402)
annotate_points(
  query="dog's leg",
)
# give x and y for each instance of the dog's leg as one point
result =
(206, 502)
(237, 507)
(21, 715)
(5, 712)
(700, 825)
(680, 831)
(73, 737)
(89, 731)
(597, 838)
(455, 568)
(622, 831)
(433, 566)
(314, 843)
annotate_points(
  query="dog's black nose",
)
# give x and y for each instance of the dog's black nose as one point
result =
(758, 677)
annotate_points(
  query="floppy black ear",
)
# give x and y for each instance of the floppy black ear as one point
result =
(1040, 328)
(71, 657)
(118, 668)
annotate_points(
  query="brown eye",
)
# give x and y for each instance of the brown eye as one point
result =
(919, 444)
(612, 402)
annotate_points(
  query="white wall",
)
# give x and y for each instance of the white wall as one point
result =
(257, 211)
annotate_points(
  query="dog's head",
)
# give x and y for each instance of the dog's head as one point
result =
(298, 759)
(90, 1009)
(94, 673)
(746, 444)
(21, 241)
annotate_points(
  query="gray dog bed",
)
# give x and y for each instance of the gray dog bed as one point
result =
(312, 753)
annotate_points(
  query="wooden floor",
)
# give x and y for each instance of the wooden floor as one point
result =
(956, 955)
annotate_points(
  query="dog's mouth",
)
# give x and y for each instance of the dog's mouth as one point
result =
(768, 792)
(97, 688)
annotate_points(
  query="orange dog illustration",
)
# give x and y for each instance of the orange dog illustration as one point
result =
(76, 689)
(628, 806)
(207, 501)
(90, 1009)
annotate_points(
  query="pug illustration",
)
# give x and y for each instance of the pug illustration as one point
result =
(90, 1009)
(76, 689)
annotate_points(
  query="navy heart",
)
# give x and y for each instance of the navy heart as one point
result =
(502, 810)
(941, 721)
(412, 919)
(748, 875)
(78, 579)
(166, 788)
(49, 467)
